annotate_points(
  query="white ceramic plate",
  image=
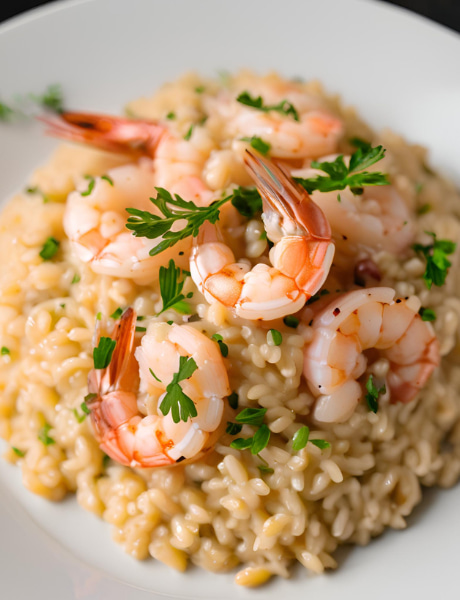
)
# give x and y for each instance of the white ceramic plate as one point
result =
(396, 68)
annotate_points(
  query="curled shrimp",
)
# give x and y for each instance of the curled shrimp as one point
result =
(301, 255)
(367, 320)
(95, 216)
(378, 219)
(140, 376)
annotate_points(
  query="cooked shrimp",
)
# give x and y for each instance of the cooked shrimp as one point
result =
(379, 219)
(301, 255)
(371, 320)
(154, 440)
(95, 222)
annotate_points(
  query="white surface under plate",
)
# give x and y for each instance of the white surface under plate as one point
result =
(396, 68)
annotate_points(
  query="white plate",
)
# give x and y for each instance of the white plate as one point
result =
(396, 68)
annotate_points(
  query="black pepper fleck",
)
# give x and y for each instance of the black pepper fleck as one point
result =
(336, 311)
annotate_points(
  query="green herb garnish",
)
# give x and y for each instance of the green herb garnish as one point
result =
(50, 248)
(4, 351)
(145, 224)
(141, 329)
(258, 144)
(317, 296)
(86, 411)
(90, 397)
(108, 179)
(76, 278)
(284, 107)
(181, 406)
(233, 428)
(18, 452)
(171, 286)
(188, 135)
(256, 443)
(52, 99)
(102, 354)
(222, 345)
(6, 113)
(427, 314)
(300, 438)
(37, 190)
(91, 184)
(251, 416)
(373, 394)
(117, 313)
(247, 201)
(274, 337)
(437, 263)
(43, 435)
(321, 444)
(291, 321)
(199, 89)
(153, 375)
(265, 470)
(233, 400)
(171, 116)
(339, 176)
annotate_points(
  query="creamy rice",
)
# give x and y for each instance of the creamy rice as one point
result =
(221, 512)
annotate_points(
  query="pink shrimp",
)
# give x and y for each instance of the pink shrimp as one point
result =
(155, 440)
(367, 320)
(301, 255)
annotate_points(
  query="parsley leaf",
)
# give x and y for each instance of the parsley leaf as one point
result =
(18, 452)
(188, 135)
(258, 144)
(51, 99)
(233, 400)
(300, 438)
(437, 263)
(291, 321)
(91, 184)
(108, 179)
(50, 247)
(251, 416)
(427, 314)
(233, 428)
(181, 406)
(76, 278)
(171, 288)
(274, 337)
(321, 444)
(256, 443)
(145, 224)
(117, 313)
(222, 345)
(102, 354)
(265, 470)
(86, 411)
(247, 201)
(171, 116)
(4, 351)
(373, 394)
(339, 176)
(43, 435)
(37, 190)
(284, 107)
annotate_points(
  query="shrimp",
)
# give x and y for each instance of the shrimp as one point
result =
(379, 219)
(134, 374)
(94, 218)
(301, 256)
(367, 320)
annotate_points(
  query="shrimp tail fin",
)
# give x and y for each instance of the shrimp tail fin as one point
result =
(284, 196)
(114, 134)
(123, 353)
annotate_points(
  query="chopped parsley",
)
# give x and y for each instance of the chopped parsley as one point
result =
(274, 337)
(265, 470)
(172, 281)
(4, 351)
(171, 116)
(199, 89)
(6, 113)
(222, 345)
(256, 443)
(50, 248)
(145, 224)
(188, 135)
(233, 428)
(258, 144)
(86, 411)
(317, 296)
(18, 452)
(76, 278)
(425, 208)
(373, 394)
(43, 435)
(321, 444)
(291, 321)
(175, 401)
(52, 98)
(117, 313)
(91, 184)
(437, 263)
(102, 354)
(90, 397)
(233, 400)
(141, 329)
(108, 179)
(339, 176)
(300, 438)
(251, 416)
(427, 314)
(284, 107)
(247, 201)
(154, 376)
(37, 190)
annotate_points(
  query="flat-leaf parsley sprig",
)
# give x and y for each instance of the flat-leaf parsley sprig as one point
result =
(284, 107)
(437, 263)
(172, 281)
(145, 224)
(339, 176)
(181, 406)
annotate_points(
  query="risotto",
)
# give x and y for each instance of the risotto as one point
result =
(259, 365)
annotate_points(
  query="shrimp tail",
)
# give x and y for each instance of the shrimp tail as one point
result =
(114, 134)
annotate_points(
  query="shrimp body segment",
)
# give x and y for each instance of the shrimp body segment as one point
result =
(95, 216)
(301, 256)
(139, 377)
(367, 320)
